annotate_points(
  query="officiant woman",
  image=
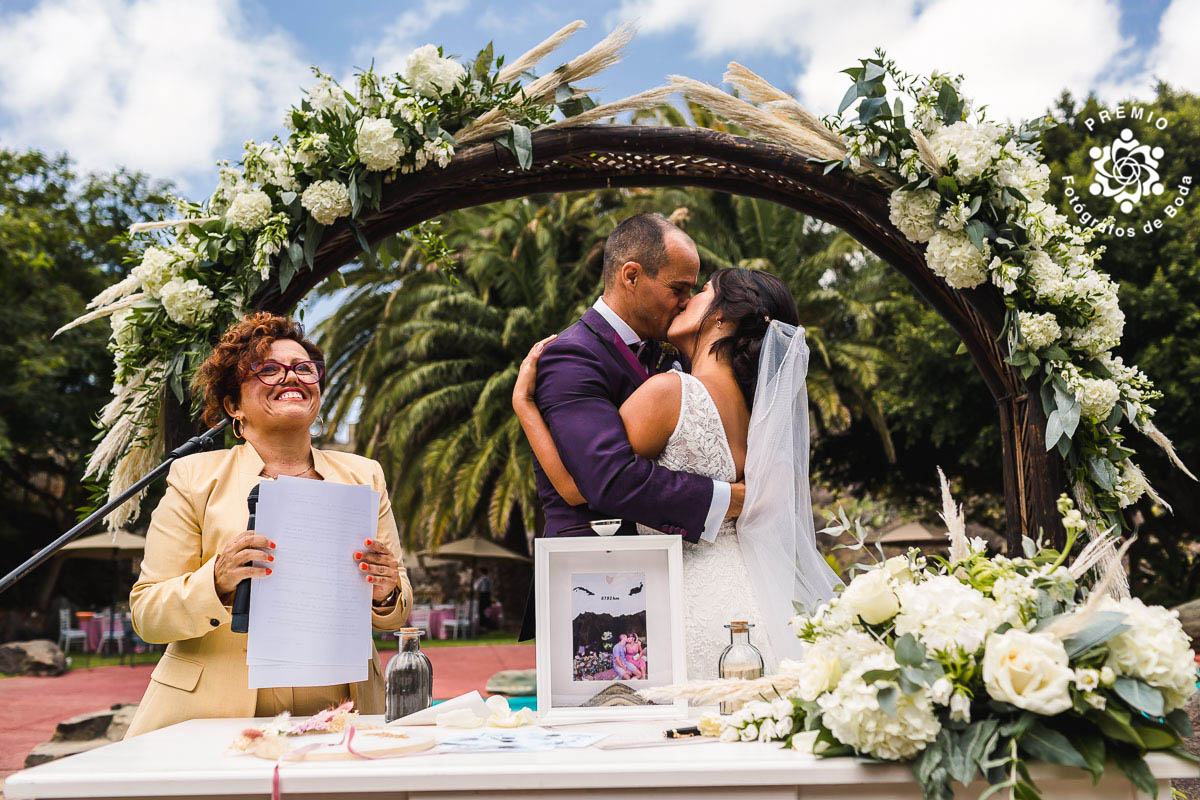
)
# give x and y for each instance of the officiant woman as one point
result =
(268, 378)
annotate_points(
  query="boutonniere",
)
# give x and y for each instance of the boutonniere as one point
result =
(667, 355)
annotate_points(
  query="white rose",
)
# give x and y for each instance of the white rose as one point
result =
(730, 735)
(748, 733)
(766, 730)
(326, 201)
(250, 210)
(1028, 670)
(871, 597)
(899, 569)
(820, 671)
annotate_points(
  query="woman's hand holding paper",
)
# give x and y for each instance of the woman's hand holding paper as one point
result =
(380, 568)
(235, 561)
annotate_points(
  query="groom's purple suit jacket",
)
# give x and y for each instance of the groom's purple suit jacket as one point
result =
(582, 379)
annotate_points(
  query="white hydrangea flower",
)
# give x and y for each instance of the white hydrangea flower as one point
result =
(853, 715)
(955, 217)
(945, 613)
(1021, 171)
(249, 210)
(124, 332)
(428, 73)
(1039, 330)
(328, 96)
(975, 146)
(158, 266)
(1096, 396)
(327, 201)
(187, 302)
(1155, 649)
(1131, 485)
(1103, 332)
(279, 164)
(914, 213)
(953, 257)
(377, 145)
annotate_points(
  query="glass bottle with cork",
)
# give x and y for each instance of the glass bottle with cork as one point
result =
(409, 677)
(740, 659)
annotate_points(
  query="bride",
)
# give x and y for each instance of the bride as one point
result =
(742, 411)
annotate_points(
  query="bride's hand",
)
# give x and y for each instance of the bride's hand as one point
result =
(527, 374)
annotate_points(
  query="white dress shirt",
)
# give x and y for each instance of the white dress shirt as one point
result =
(721, 491)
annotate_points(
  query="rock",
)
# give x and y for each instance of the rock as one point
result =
(83, 727)
(513, 682)
(37, 657)
(122, 716)
(616, 694)
(49, 751)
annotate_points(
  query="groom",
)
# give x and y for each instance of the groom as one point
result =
(583, 377)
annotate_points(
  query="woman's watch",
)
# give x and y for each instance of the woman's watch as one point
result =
(390, 600)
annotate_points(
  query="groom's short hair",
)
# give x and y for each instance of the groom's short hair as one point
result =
(641, 238)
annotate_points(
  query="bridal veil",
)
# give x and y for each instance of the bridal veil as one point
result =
(775, 528)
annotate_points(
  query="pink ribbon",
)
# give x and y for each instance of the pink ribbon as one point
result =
(346, 741)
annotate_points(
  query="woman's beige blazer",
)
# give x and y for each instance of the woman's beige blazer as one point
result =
(175, 602)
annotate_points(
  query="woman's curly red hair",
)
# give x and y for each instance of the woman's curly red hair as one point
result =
(246, 343)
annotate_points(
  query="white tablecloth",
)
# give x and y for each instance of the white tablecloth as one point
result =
(188, 760)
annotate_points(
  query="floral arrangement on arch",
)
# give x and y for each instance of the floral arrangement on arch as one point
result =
(967, 666)
(195, 275)
(973, 193)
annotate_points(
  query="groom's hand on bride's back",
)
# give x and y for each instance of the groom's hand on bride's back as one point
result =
(737, 495)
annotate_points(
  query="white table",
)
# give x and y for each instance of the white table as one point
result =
(187, 761)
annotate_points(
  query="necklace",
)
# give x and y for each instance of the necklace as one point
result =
(273, 475)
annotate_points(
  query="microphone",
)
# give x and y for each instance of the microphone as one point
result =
(241, 597)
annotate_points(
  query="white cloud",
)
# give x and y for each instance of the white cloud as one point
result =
(165, 86)
(1016, 59)
(1175, 58)
(392, 46)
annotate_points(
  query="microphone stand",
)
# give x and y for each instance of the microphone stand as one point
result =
(197, 444)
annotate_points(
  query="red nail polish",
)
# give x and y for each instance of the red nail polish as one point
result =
(368, 542)
(370, 579)
(270, 557)
(357, 554)
(268, 570)
(363, 567)
(272, 545)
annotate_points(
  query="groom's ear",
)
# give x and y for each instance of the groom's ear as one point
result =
(629, 273)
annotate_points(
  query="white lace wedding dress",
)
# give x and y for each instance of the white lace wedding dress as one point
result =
(716, 583)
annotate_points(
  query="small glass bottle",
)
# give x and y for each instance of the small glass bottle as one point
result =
(739, 660)
(409, 677)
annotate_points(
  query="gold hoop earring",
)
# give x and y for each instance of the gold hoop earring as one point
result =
(238, 428)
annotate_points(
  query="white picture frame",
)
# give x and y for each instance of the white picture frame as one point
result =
(563, 569)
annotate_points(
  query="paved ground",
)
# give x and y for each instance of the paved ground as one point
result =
(30, 708)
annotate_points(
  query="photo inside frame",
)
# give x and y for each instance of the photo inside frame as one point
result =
(610, 625)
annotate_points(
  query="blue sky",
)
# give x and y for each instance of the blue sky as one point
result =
(170, 86)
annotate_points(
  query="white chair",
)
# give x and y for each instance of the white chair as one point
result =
(420, 619)
(67, 634)
(461, 624)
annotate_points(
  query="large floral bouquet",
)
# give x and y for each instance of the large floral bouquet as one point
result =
(970, 664)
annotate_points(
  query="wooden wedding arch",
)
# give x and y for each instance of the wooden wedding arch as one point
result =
(590, 157)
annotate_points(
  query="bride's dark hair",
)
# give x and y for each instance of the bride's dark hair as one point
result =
(748, 299)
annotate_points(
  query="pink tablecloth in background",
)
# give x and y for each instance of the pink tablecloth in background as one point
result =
(437, 619)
